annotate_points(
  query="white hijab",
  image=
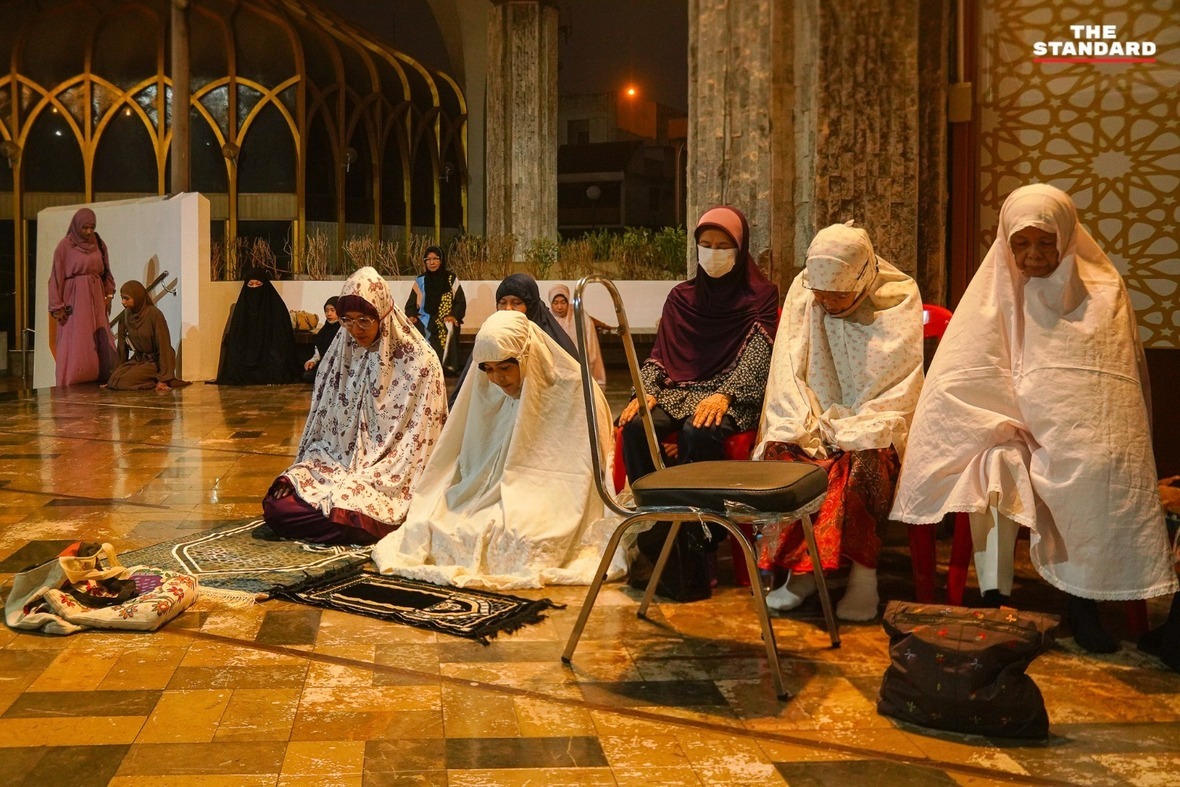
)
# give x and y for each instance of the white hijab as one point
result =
(846, 382)
(593, 351)
(1035, 404)
(375, 415)
(508, 497)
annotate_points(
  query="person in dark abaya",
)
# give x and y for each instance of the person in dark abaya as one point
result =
(259, 344)
(519, 292)
(144, 348)
(437, 306)
(323, 339)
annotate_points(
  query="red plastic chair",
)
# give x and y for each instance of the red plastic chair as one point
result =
(922, 537)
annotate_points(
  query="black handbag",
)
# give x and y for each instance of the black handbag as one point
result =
(963, 670)
(686, 575)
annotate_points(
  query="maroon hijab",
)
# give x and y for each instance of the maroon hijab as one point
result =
(707, 321)
(81, 218)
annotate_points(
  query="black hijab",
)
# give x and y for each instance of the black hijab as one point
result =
(259, 346)
(435, 284)
(323, 338)
(525, 287)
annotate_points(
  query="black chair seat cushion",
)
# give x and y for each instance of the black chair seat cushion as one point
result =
(763, 486)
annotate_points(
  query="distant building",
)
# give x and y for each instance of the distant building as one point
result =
(617, 164)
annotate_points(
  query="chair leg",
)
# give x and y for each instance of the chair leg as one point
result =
(658, 570)
(595, 586)
(821, 582)
(922, 560)
(772, 659)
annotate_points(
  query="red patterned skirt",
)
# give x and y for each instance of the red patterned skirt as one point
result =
(852, 519)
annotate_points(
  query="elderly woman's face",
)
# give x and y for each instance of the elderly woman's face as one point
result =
(560, 305)
(505, 374)
(1035, 251)
(834, 302)
(433, 262)
(715, 239)
(511, 302)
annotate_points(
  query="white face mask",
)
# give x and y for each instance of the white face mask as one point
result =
(716, 262)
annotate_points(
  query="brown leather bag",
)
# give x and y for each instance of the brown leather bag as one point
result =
(961, 669)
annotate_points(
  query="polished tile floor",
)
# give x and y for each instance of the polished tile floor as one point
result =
(285, 694)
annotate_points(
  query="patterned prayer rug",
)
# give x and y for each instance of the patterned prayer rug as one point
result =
(247, 556)
(474, 614)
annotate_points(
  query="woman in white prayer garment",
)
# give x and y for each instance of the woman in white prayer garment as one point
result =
(1035, 413)
(508, 498)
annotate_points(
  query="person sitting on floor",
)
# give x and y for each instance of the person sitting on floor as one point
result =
(323, 339)
(508, 498)
(144, 349)
(259, 343)
(377, 408)
(563, 311)
(519, 292)
(1036, 412)
(844, 381)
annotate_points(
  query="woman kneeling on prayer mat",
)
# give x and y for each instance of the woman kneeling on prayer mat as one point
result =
(1035, 412)
(377, 409)
(844, 380)
(508, 499)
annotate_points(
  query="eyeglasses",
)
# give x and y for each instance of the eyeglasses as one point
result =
(364, 323)
(433, 258)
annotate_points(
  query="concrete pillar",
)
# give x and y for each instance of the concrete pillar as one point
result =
(522, 120)
(807, 112)
(733, 73)
(181, 98)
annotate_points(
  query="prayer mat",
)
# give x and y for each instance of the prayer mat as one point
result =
(474, 614)
(248, 556)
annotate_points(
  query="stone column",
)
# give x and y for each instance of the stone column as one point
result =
(736, 84)
(522, 120)
(806, 113)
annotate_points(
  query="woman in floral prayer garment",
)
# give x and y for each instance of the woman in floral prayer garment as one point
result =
(81, 289)
(508, 498)
(1036, 413)
(377, 408)
(844, 380)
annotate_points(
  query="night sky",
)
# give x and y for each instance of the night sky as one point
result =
(604, 45)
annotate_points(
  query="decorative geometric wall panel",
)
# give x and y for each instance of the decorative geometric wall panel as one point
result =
(1106, 133)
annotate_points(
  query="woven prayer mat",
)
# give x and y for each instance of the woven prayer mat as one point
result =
(474, 614)
(248, 556)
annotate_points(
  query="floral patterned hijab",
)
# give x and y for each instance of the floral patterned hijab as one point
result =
(375, 415)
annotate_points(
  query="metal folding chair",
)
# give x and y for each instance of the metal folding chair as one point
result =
(699, 492)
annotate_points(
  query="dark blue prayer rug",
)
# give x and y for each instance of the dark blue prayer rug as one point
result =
(474, 614)
(247, 556)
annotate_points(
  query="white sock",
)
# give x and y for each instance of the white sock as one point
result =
(797, 588)
(860, 598)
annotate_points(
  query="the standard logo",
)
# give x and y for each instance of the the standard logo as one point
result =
(1094, 44)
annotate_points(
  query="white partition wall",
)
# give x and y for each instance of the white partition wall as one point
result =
(145, 238)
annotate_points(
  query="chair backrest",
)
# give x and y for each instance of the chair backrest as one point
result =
(624, 330)
(934, 320)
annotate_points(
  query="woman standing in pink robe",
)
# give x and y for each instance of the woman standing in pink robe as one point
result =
(80, 292)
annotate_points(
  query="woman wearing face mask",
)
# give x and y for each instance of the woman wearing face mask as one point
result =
(1035, 413)
(507, 499)
(707, 372)
(844, 380)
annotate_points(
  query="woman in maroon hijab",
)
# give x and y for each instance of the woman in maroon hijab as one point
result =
(706, 377)
(81, 289)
